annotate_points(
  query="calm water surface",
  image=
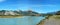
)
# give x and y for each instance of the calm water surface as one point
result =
(26, 20)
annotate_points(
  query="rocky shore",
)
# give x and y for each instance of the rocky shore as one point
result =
(52, 20)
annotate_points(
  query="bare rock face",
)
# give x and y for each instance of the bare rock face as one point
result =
(51, 21)
(9, 13)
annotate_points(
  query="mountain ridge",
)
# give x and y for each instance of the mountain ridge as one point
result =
(17, 12)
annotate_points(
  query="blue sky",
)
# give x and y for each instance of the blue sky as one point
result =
(41, 6)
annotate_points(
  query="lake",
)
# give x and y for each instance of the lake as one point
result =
(25, 20)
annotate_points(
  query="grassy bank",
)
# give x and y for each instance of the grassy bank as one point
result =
(9, 16)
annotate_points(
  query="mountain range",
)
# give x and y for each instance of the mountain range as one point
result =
(18, 12)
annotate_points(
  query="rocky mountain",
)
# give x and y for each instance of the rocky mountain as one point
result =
(58, 13)
(19, 12)
(54, 13)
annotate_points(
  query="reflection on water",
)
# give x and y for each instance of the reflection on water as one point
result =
(26, 20)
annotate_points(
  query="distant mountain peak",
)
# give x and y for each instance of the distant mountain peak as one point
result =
(17, 12)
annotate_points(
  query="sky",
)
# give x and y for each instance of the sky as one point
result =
(40, 6)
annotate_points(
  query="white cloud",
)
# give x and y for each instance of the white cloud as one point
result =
(2, 0)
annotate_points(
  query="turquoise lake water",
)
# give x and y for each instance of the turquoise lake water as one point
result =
(26, 20)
